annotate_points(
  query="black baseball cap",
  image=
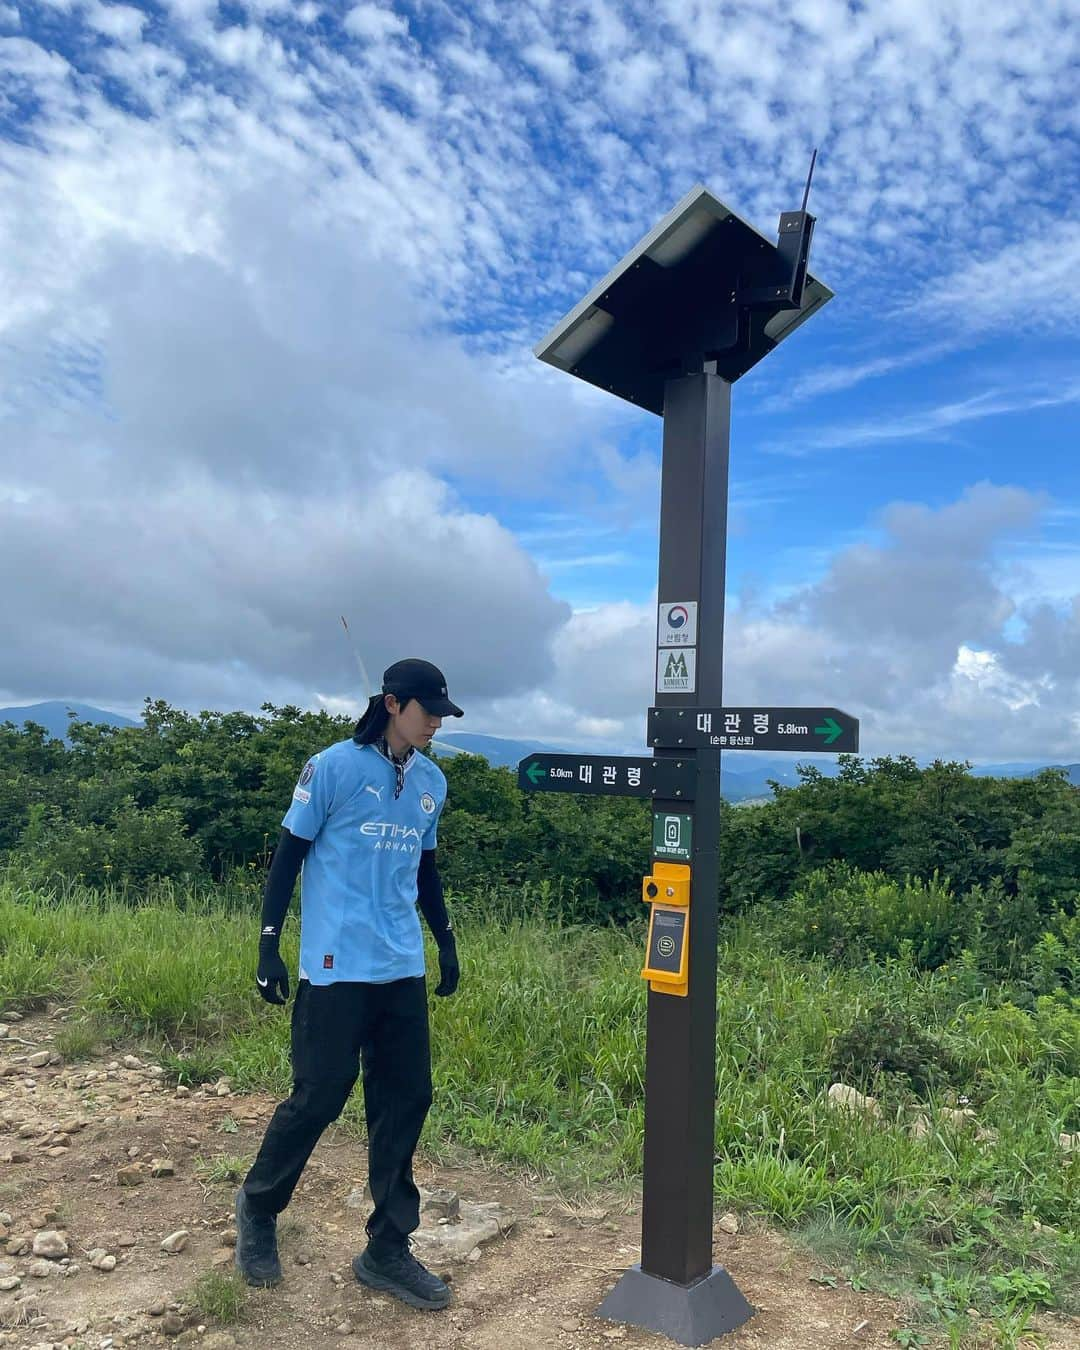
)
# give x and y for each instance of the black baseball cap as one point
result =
(421, 680)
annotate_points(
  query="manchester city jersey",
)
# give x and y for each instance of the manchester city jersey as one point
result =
(358, 917)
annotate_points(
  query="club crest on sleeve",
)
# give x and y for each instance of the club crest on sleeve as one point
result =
(307, 774)
(427, 803)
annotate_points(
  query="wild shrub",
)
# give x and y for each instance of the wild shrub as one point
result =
(1054, 961)
(131, 847)
(1040, 1042)
(884, 1039)
(844, 914)
(1044, 856)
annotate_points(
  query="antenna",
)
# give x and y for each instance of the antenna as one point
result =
(783, 285)
(793, 247)
(809, 176)
(360, 664)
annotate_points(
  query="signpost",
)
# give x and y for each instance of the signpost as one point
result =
(809, 730)
(609, 775)
(698, 302)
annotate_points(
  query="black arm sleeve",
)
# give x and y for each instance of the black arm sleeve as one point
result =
(429, 896)
(284, 869)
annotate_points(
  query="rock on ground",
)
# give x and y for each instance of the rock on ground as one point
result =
(850, 1099)
(50, 1243)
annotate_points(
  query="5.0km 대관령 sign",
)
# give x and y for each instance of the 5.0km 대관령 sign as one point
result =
(608, 775)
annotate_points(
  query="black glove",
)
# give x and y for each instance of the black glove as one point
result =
(449, 970)
(272, 977)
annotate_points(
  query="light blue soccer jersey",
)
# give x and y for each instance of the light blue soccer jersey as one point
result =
(358, 917)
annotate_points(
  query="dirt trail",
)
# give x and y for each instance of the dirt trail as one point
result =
(67, 1131)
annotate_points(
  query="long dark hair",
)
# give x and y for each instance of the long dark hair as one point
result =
(372, 724)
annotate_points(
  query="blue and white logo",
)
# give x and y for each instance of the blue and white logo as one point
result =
(307, 774)
(427, 803)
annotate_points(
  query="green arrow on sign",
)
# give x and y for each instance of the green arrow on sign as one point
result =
(831, 729)
(536, 771)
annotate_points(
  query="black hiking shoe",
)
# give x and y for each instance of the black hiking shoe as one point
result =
(404, 1277)
(256, 1245)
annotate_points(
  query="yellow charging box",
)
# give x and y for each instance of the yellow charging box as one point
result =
(667, 891)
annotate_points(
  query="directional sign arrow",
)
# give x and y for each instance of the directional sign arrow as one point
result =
(805, 730)
(663, 779)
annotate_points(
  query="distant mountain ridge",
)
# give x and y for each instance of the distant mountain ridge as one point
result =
(498, 750)
(744, 775)
(53, 716)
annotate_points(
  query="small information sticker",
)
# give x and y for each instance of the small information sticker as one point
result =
(671, 836)
(676, 670)
(667, 934)
(676, 625)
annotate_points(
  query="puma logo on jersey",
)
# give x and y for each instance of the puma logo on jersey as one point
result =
(375, 792)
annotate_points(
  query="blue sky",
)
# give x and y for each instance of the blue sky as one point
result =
(275, 274)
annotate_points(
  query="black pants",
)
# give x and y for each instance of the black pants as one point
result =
(335, 1028)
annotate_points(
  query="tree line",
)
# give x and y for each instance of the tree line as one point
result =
(199, 798)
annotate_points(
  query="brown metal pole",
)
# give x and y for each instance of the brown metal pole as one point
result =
(680, 1060)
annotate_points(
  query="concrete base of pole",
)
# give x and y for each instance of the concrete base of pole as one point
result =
(691, 1314)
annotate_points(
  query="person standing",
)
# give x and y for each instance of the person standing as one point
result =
(362, 824)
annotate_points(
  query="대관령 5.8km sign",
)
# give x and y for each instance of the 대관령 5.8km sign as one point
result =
(804, 729)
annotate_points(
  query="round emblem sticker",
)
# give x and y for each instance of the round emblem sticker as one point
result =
(427, 802)
(308, 773)
(677, 616)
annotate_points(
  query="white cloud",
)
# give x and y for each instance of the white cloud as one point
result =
(554, 65)
(225, 595)
(897, 175)
(374, 22)
(121, 22)
(984, 669)
(1025, 285)
(908, 634)
(928, 423)
(833, 379)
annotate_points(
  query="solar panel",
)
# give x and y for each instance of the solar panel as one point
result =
(702, 285)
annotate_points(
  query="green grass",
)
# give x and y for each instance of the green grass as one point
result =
(224, 1168)
(218, 1294)
(78, 1040)
(539, 1064)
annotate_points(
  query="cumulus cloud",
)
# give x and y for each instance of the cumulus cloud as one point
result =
(235, 596)
(907, 633)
